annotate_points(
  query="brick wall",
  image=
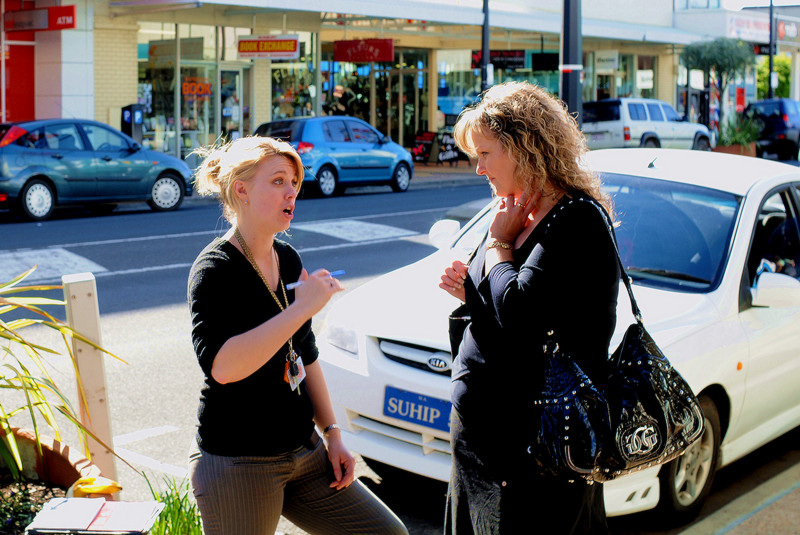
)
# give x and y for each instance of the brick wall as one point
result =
(115, 69)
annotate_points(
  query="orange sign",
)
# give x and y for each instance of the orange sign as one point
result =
(269, 46)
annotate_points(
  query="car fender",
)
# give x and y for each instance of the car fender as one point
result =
(649, 135)
(28, 174)
(319, 163)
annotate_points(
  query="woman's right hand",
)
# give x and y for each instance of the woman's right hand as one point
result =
(316, 290)
(453, 279)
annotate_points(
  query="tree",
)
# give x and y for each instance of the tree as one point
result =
(723, 58)
(783, 66)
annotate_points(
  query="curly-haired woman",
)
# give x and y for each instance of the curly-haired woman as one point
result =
(547, 264)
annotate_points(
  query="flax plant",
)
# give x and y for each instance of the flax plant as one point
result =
(180, 515)
(24, 370)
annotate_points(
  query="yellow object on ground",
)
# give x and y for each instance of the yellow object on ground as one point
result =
(92, 486)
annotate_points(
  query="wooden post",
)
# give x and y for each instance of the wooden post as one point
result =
(83, 316)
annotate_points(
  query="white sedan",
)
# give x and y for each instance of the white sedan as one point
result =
(711, 243)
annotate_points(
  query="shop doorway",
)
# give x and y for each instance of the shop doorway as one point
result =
(231, 98)
(605, 86)
(401, 103)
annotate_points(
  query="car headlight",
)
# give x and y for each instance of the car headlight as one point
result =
(343, 338)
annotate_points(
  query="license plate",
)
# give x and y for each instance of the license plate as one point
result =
(417, 408)
(597, 137)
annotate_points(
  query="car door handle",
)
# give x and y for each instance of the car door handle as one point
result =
(106, 158)
(57, 156)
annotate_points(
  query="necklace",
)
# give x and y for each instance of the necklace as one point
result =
(292, 367)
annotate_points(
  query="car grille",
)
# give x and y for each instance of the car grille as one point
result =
(419, 357)
(426, 443)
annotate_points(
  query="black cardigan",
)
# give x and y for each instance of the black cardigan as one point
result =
(565, 278)
(258, 415)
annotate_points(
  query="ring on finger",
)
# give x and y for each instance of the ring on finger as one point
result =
(519, 205)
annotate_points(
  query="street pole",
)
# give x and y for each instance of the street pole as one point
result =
(485, 48)
(770, 91)
(572, 59)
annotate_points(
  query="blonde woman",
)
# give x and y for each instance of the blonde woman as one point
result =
(547, 263)
(258, 455)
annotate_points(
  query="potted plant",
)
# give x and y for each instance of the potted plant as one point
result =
(738, 135)
(27, 388)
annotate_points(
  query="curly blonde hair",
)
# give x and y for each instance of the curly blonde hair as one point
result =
(538, 135)
(238, 160)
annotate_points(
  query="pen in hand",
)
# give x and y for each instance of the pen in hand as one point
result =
(293, 285)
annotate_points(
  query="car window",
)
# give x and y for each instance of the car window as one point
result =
(103, 139)
(34, 139)
(63, 137)
(776, 239)
(335, 131)
(655, 112)
(636, 111)
(362, 133)
(670, 113)
(600, 111)
(283, 130)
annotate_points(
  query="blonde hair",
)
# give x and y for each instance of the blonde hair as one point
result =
(539, 136)
(237, 160)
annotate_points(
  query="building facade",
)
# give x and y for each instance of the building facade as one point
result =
(202, 71)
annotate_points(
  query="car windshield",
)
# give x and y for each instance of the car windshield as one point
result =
(670, 235)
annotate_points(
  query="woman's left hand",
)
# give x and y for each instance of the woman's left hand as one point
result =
(343, 463)
(511, 218)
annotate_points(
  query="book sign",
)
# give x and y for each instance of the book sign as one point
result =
(269, 47)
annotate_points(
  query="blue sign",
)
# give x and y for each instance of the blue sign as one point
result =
(417, 408)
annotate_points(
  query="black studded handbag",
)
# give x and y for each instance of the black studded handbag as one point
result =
(641, 413)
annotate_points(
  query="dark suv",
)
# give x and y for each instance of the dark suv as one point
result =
(781, 132)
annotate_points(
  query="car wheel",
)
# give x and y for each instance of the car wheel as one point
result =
(167, 193)
(401, 178)
(650, 143)
(686, 481)
(326, 182)
(37, 200)
(701, 143)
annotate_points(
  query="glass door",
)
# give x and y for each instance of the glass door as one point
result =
(401, 104)
(197, 109)
(231, 99)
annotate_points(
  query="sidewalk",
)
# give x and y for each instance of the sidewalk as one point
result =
(772, 507)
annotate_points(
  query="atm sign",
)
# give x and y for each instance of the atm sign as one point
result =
(46, 19)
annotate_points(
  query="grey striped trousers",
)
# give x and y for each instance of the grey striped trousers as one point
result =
(247, 495)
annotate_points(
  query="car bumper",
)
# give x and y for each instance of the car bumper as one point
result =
(420, 449)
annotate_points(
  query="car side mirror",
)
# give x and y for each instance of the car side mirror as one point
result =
(776, 290)
(135, 147)
(442, 233)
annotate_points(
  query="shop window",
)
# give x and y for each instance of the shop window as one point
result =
(646, 76)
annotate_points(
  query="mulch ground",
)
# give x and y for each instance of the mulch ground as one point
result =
(19, 502)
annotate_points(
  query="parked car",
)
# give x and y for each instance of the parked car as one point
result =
(640, 122)
(711, 243)
(780, 133)
(340, 151)
(53, 162)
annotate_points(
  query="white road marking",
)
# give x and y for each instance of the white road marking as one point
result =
(142, 434)
(354, 231)
(143, 460)
(51, 264)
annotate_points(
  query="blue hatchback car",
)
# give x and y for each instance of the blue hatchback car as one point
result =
(340, 151)
(49, 162)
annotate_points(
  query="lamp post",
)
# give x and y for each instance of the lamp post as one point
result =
(485, 52)
(572, 59)
(770, 90)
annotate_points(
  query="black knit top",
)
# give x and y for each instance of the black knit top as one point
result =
(258, 415)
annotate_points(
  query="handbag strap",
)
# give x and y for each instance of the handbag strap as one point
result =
(637, 313)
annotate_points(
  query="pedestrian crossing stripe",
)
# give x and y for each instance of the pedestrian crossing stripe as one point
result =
(51, 264)
(354, 231)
